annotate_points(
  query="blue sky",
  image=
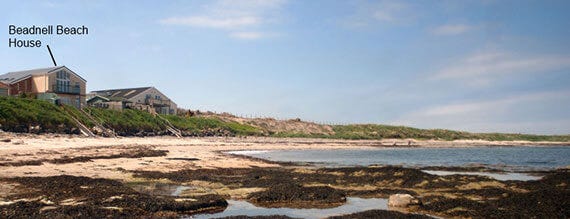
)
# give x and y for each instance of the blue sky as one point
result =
(483, 66)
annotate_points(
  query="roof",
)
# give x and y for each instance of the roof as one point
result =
(12, 77)
(126, 93)
(97, 97)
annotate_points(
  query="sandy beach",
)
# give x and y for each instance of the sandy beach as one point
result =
(194, 161)
(204, 151)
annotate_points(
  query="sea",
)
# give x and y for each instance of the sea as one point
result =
(517, 161)
(509, 158)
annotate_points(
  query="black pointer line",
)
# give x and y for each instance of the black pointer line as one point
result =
(55, 64)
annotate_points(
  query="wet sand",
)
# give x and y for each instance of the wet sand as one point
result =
(29, 161)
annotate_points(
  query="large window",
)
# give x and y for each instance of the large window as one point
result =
(62, 82)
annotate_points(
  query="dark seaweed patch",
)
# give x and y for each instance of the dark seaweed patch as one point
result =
(95, 198)
(477, 196)
(66, 159)
(298, 196)
(381, 214)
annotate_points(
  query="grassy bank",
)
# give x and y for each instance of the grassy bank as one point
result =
(129, 121)
(37, 116)
(401, 132)
(373, 131)
(24, 115)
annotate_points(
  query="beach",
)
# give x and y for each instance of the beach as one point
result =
(215, 176)
(25, 148)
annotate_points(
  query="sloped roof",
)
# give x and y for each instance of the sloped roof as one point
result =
(97, 97)
(124, 94)
(12, 77)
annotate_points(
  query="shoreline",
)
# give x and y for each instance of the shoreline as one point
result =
(29, 161)
(48, 152)
(36, 140)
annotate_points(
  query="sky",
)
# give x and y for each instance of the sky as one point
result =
(480, 66)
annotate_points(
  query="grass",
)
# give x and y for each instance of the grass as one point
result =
(19, 114)
(376, 132)
(402, 132)
(385, 131)
(127, 121)
(133, 121)
(199, 124)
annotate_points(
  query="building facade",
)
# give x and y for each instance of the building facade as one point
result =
(142, 98)
(58, 84)
(4, 89)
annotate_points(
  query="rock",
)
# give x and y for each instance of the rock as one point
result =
(6, 140)
(34, 129)
(402, 200)
(97, 130)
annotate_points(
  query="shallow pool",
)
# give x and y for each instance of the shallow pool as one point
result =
(237, 207)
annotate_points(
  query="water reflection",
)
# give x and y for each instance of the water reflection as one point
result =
(160, 189)
(352, 205)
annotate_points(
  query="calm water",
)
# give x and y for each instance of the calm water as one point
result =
(240, 207)
(352, 205)
(512, 158)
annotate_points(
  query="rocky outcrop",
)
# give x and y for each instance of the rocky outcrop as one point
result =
(402, 200)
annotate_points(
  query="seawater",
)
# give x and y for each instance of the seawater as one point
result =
(509, 158)
(352, 205)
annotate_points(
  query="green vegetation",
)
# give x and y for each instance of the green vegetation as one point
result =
(371, 131)
(19, 114)
(128, 121)
(198, 124)
(38, 116)
(386, 131)
(401, 132)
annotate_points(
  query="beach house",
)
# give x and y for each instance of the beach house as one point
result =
(4, 89)
(56, 84)
(143, 98)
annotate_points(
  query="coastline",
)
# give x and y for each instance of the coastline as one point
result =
(200, 163)
(206, 151)
(49, 140)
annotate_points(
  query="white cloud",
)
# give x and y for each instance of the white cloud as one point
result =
(50, 4)
(481, 106)
(383, 16)
(248, 35)
(212, 22)
(483, 67)
(238, 17)
(245, 6)
(389, 11)
(383, 12)
(452, 29)
(502, 114)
